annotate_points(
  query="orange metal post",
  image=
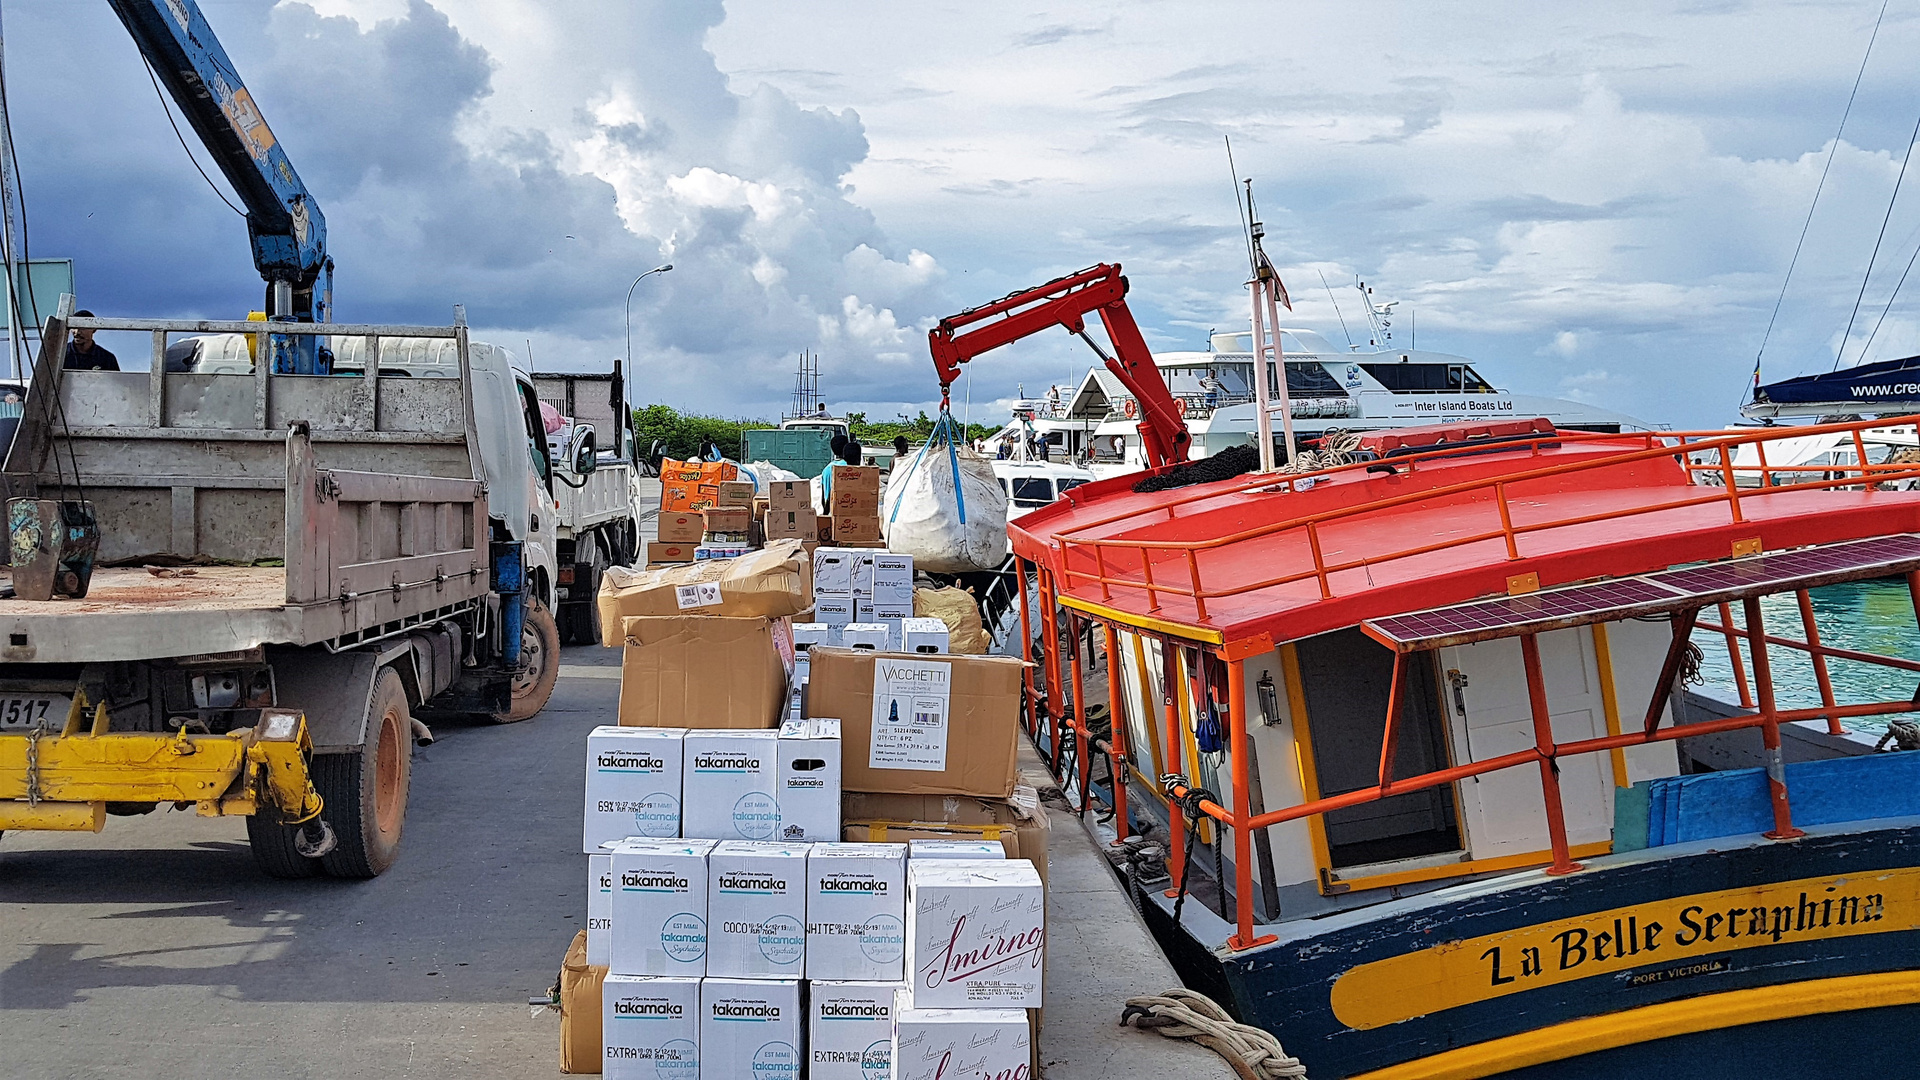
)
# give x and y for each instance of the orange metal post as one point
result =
(1391, 736)
(1733, 657)
(1026, 650)
(1175, 759)
(1506, 517)
(1117, 738)
(1769, 724)
(1543, 743)
(1050, 625)
(1242, 811)
(1819, 660)
(1082, 748)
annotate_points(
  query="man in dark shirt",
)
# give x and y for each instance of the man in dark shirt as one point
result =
(84, 355)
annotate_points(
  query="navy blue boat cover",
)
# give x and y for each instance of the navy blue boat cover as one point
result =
(1881, 382)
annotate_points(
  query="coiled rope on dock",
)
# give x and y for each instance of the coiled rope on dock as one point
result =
(1182, 1014)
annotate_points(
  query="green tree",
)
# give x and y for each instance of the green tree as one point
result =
(684, 435)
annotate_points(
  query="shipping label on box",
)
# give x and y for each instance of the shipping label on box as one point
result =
(650, 1026)
(808, 774)
(633, 784)
(834, 611)
(956, 849)
(757, 910)
(750, 1029)
(945, 1044)
(911, 700)
(683, 528)
(729, 785)
(856, 911)
(923, 636)
(862, 634)
(833, 572)
(850, 1030)
(976, 934)
(660, 907)
(599, 909)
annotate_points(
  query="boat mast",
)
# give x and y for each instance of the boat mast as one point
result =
(1268, 294)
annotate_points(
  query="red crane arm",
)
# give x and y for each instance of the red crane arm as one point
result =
(1066, 302)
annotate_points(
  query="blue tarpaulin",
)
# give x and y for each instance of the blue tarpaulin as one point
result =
(1684, 808)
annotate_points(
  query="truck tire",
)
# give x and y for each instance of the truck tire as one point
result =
(366, 789)
(540, 651)
(271, 841)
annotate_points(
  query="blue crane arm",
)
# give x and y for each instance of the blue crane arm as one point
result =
(288, 231)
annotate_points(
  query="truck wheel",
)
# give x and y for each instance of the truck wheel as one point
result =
(366, 790)
(271, 841)
(540, 660)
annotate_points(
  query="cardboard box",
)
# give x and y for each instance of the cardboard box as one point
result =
(751, 1029)
(925, 848)
(1021, 833)
(976, 934)
(937, 725)
(934, 1044)
(826, 528)
(864, 478)
(865, 635)
(757, 910)
(791, 524)
(885, 577)
(599, 909)
(892, 615)
(850, 1029)
(771, 583)
(651, 1027)
(737, 493)
(854, 504)
(705, 671)
(856, 528)
(808, 634)
(580, 1009)
(790, 495)
(833, 571)
(923, 636)
(729, 785)
(834, 611)
(807, 779)
(660, 907)
(856, 911)
(671, 553)
(680, 528)
(633, 784)
(728, 521)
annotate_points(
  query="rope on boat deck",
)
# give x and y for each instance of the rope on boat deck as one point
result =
(1180, 1013)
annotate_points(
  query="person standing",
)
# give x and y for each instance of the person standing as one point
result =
(84, 355)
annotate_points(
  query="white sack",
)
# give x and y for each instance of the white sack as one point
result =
(920, 516)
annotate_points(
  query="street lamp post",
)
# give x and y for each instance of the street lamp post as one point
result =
(629, 307)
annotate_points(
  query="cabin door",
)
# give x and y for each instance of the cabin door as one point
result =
(1346, 676)
(1490, 714)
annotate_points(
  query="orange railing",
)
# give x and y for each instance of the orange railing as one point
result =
(1690, 447)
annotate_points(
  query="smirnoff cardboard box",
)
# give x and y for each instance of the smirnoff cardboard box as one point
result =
(757, 910)
(807, 775)
(660, 907)
(937, 1044)
(849, 1029)
(920, 725)
(729, 784)
(705, 671)
(750, 1029)
(633, 784)
(833, 571)
(650, 1027)
(599, 909)
(856, 911)
(976, 934)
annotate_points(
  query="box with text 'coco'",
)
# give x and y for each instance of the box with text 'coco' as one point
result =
(650, 1027)
(856, 911)
(659, 907)
(729, 785)
(757, 910)
(599, 909)
(807, 775)
(976, 933)
(750, 1029)
(938, 1044)
(633, 784)
(849, 1029)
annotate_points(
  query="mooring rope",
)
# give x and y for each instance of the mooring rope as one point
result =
(1182, 1014)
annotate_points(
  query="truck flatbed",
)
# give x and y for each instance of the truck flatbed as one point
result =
(130, 613)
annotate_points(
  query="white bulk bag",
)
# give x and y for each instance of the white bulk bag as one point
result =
(944, 508)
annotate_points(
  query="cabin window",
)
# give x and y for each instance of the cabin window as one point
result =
(1410, 377)
(1306, 379)
(1032, 491)
(1065, 484)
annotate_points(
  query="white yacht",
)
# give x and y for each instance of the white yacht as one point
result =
(1036, 458)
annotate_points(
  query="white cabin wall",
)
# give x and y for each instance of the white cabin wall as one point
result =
(1275, 748)
(1639, 649)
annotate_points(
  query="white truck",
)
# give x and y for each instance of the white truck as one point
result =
(597, 512)
(288, 567)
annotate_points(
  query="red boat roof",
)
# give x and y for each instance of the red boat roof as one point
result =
(1278, 557)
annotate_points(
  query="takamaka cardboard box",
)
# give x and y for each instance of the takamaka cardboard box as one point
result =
(599, 909)
(633, 784)
(580, 1009)
(905, 818)
(914, 724)
(681, 528)
(751, 1029)
(704, 671)
(737, 493)
(834, 611)
(850, 1029)
(660, 907)
(772, 582)
(730, 784)
(677, 552)
(857, 911)
(651, 1027)
(807, 775)
(757, 910)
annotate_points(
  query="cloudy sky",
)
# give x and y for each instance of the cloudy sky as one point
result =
(1593, 201)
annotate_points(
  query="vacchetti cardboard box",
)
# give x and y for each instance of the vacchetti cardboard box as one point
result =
(650, 1027)
(807, 775)
(920, 725)
(856, 912)
(660, 907)
(750, 1029)
(935, 1044)
(849, 1029)
(633, 784)
(730, 784)
(702, 671)
(757, 910)
(976, 934)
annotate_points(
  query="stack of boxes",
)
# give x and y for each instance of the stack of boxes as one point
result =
(853, 505)
(790, 511)
(863, 586)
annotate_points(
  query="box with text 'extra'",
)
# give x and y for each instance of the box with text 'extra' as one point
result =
(633, 784)
(599, 909)
(850, 1029)
(807, 778)
(856, 911)
(750, 1029)
(729, 784)
(757, 910)
(947, 1044)
(659, 907)
(976, 933)
(650, 1028)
